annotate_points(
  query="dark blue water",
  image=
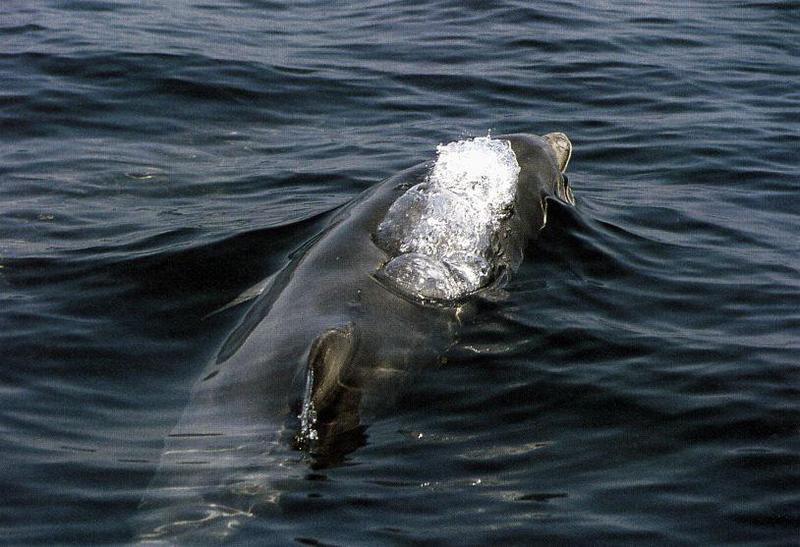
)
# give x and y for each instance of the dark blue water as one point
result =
(640, 384)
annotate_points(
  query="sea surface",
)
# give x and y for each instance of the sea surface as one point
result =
(640, 383)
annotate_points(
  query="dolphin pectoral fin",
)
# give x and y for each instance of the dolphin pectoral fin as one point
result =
(562, 148)
(335, 393)
(252, 292)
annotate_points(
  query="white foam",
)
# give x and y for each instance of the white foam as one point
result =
(452, 219)
(483, 171)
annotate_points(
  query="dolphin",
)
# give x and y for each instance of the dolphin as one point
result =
(360, 306)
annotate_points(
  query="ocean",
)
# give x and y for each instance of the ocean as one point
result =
(638, 385)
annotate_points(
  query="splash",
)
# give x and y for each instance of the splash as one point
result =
(441, 232)
(308, 415)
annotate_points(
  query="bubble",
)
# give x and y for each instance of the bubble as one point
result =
(446, 225)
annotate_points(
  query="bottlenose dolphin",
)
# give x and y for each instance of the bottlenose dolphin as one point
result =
(378, 293)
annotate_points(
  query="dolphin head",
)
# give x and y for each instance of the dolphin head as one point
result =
(542, 162)
(561, 148)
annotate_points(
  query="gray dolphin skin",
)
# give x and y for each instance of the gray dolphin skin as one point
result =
(330, 338)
